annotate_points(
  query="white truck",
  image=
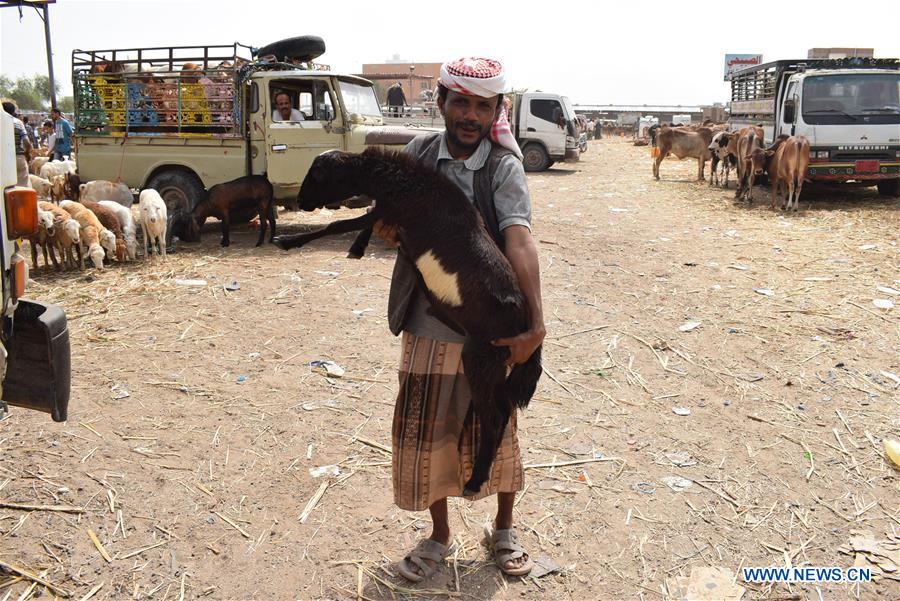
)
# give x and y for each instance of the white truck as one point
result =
(849, 109)
(34, 337)
(544, 126)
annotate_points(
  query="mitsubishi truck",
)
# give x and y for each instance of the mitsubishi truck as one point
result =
(35, 359)
(849, 109)
(182, 119)
(544, 126)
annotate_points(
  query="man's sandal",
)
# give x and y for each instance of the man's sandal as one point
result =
(504, 546)
(426, 549)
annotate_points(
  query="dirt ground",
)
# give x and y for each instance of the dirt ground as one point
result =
(772, 411)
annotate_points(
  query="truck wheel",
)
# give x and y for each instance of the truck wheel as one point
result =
(180, 190)
(889, 187)
(535, 158)
(303, 48)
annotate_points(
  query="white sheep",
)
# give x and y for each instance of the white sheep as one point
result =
(100, 189)
(153, 220)
(57, 168)
(39, 185)
(126, 220)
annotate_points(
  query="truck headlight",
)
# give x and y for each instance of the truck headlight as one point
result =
(821, 154)
(897, 154)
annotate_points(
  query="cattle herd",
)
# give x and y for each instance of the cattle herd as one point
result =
(785, 161)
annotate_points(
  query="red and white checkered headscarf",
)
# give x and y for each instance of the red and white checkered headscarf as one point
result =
(482, 77)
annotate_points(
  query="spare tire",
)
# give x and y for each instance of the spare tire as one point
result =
(303, 48)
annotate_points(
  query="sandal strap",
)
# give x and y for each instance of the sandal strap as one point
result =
(506, 544)
(428, 549)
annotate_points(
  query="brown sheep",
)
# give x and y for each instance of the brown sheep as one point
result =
(110, 222)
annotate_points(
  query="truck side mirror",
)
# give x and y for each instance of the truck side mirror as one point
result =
(790, 110)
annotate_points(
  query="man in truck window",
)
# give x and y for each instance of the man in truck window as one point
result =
(283, 109)
(433, 429)
(23, 144)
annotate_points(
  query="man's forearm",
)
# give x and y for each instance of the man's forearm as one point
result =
(522, 255)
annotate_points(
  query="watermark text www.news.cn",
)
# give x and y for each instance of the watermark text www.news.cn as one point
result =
(806, 574)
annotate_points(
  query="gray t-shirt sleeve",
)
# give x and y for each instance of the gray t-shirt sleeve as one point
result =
(511, 198)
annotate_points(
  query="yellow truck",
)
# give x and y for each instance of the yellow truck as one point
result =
(182, 119)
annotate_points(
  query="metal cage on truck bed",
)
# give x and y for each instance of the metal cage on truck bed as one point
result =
(188, 91)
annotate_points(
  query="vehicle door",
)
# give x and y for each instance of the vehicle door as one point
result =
(545, 121)
(291, 146)
(786, 121)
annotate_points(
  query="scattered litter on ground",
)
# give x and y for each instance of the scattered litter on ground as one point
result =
(706, 583)
(764, 291)
(331, 368)
(120, 392)
(325, 470)
(232, 286)
(543, 566)
(677, 483)
(191, 283)
(883, 303)
(681, 411)
(687, 327)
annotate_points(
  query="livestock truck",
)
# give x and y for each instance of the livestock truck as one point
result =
(849, 109)
(34, 336)
(544, 127)
(182, 119)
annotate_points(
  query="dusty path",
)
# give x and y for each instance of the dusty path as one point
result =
(195, 482)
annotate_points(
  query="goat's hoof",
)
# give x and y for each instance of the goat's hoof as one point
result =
(279, 242)
(468, 492)
(353, 255)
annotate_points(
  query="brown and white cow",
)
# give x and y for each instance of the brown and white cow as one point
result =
(751, 160)
(681, 143)
(787, 167)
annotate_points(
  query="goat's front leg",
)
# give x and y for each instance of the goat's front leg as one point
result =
(264, 212)
(337, 227)
(358, 248)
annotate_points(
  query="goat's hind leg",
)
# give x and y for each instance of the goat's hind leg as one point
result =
(336, 227)
(486, 372)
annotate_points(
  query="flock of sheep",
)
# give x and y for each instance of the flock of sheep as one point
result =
(99, 223)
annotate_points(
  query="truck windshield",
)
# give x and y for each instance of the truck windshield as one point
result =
(360, 99)
(872, 98)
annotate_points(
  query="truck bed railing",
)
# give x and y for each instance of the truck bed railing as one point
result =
(190, 91)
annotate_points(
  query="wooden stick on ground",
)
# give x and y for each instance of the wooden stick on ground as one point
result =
(28, 575)
(92, 592)
(566, 463)
(313, 501)
(30, 507)
(233, 524)
(99, 546)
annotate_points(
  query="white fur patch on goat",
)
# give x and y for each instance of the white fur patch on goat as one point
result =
(442, 284)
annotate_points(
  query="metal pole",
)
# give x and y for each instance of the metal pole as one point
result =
(49, 56)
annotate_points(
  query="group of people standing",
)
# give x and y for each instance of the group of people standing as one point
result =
(55, 132)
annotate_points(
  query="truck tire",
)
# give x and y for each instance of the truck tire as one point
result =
(535, 158)
(889, 187)
(180, 189)
(303, 48)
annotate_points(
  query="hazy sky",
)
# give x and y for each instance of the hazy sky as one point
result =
(624, 52)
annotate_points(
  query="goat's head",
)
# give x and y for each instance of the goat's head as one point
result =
(328, 181)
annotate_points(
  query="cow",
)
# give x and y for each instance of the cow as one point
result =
(722, 148)
(683, 144)
(751, 160)
(787, 167)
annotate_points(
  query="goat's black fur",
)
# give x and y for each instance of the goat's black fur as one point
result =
(433, 215)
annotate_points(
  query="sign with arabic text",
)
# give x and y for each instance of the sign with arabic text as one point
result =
(736, 62)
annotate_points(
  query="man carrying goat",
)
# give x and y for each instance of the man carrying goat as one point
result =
(434, 429)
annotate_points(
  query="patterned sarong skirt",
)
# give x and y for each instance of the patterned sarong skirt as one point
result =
(434, 433)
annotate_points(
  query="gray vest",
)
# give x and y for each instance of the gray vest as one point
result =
(403, 281)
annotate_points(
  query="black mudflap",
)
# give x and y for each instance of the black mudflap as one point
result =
(38, 368)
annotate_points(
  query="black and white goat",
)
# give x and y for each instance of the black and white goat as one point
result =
(468, 281)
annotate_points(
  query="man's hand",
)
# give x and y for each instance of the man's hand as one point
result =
(521, 347)
(388, 233)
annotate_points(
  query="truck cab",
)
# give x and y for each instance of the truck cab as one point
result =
(544, 126)
(848, 109)
(34, 336)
